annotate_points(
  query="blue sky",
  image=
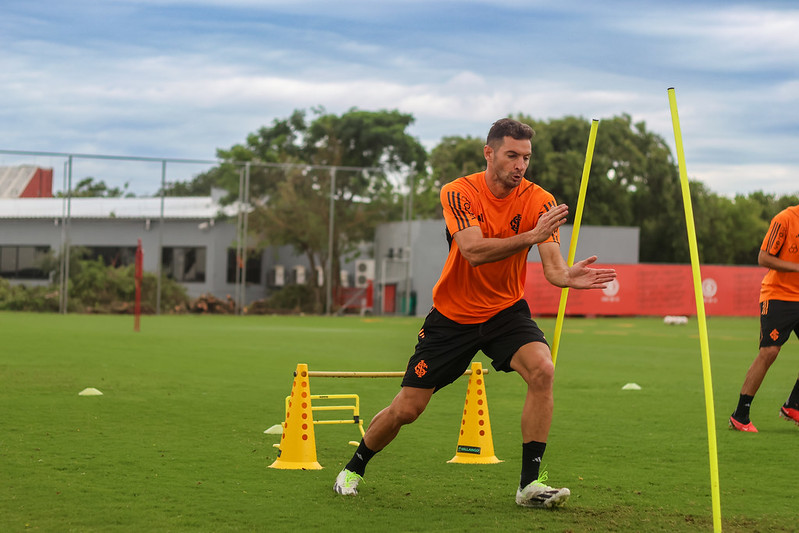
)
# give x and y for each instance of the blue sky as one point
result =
(181, 78)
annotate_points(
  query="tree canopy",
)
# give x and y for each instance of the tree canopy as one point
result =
(89, 188)
(633, 181)
(365, 159)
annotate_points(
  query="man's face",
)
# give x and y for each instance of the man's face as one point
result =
(509, 161)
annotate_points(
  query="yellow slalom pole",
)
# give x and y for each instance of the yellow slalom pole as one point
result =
(578, 217)
(700, 315)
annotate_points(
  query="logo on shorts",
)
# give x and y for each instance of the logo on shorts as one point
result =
(420, 368)
(774, 334)
(421, 333)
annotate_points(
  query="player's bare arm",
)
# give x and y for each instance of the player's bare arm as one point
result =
(578, 276)
(773, 262)
(479, 250)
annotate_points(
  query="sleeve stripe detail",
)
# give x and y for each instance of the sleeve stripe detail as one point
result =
(454, 202)
(775, 231)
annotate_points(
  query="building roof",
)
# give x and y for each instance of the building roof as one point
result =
(193, 207)
(13, 180)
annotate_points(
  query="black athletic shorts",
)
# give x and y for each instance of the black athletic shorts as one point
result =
(445, 348)
(778, 319)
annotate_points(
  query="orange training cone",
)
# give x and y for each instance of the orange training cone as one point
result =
(298, 445)
(475, 445)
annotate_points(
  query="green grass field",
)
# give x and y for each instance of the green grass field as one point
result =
(177, 443)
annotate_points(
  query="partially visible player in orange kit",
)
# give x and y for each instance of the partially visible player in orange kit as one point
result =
(779, 313)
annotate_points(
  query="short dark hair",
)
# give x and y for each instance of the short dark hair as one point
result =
(507, 127)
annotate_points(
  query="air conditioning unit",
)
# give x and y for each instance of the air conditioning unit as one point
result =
(276, 276)
(298, 275)
(364, 272)
(344, 278)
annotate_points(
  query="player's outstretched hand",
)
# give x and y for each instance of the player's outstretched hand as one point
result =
(583, 277)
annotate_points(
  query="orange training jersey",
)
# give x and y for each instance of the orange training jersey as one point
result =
(470, 295)
(782, 240)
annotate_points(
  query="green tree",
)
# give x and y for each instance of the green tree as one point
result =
(291, 179)
(452, 158)
(633, 180)
(89, 188)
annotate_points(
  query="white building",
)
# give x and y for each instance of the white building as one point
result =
(198, 248)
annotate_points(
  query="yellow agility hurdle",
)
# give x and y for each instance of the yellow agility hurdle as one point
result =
(297, 447)
(356, 409)
(337, 374)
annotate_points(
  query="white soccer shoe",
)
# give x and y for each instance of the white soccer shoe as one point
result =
(347, 483)
(541, 496)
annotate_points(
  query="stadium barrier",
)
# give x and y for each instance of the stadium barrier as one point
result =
(297, 447)
(653, 290)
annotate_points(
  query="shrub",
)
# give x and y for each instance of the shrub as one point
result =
(289, 299)
(95, 288)
(24, 298)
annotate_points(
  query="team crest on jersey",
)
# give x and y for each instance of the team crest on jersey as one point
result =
(514, 224)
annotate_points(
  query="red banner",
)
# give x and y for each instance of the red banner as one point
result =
(652, 290)
(360, 298)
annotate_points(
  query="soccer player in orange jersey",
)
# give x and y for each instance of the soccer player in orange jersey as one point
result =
(779, 313)
(492, 218)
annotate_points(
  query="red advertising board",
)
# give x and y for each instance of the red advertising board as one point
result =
(652, 290)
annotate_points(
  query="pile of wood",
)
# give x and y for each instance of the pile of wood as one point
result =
(208, 303)
(258, 307)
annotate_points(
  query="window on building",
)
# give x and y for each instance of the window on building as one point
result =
(113, 256)
(184, 263)
(253, 266)
(23, 262)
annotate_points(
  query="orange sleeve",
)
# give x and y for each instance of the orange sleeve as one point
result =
(775, 236)
(782, 240)
(457, 202)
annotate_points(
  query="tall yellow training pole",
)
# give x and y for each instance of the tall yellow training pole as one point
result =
(578, 217)
(700, 314)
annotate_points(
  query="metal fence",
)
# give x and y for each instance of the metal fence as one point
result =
(135, 197)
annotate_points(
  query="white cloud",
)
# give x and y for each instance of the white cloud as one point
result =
(729, 180)
(729, 38)
(183, 87)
